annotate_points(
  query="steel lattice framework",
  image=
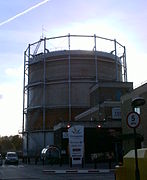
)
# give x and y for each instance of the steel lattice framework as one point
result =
(68, 42)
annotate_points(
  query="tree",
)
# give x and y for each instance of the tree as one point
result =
(10, 143)
(17, 142)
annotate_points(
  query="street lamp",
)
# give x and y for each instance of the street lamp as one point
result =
(139, 101)
(136, 102)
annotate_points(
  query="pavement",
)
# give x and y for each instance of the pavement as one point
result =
(100, 167)
(57, 172)
(88, 168)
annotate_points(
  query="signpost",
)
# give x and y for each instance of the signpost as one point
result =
(76, 143)
(133, 121)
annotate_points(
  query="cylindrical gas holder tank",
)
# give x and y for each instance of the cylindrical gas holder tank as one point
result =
(57, 82)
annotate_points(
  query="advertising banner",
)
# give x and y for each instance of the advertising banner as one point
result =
(76, 143)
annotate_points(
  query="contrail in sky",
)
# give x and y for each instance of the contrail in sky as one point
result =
(24, 12)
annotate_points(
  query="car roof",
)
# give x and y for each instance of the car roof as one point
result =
(11, 152)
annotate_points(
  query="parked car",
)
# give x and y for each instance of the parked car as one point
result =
(11, 158)
(1, 160)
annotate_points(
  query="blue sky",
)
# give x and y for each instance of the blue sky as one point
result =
(125, 21)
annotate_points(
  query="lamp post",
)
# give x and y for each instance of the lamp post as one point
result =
(139, 101)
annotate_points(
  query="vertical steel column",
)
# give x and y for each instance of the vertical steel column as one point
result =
(44, 91)
(125, 65)
(28, 98)
(24, 93)
(69, 80)
(96, 68)
(23, 121)
(116, 60)
(27, 144)
(28, 75)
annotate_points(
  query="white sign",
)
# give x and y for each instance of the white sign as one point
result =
(116, 113)
(76, 143)
(133, 119)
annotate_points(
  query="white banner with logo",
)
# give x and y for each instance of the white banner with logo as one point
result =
(76, 143)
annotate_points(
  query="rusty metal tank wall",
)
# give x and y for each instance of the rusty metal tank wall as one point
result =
(82, 77)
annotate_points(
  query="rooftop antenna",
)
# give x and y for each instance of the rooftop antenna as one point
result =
(43, 32)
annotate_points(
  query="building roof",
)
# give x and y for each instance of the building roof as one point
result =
(111, 84)
(136, 92)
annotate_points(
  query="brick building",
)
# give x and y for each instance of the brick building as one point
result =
(126, 100)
